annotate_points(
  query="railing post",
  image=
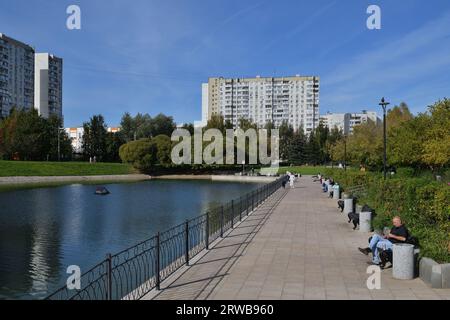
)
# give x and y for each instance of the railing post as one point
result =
(253, 200)
(158, 262)
(246, 204)
(232, 214)
(108, 277)
(207, 231)
(240, 209)
(186, 243)
(221, 222)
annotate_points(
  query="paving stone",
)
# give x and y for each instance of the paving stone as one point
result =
(300, 248)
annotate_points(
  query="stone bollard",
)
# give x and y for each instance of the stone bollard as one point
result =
(403, 261)
(336, 192)
(348, 205)
(365, 221)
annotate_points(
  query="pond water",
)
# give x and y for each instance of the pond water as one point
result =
(43, 231)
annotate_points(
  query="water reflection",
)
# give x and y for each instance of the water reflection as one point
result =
(42, 231)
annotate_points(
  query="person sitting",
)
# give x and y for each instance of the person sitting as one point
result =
(325, 186)
(341, 205)
(398, 234)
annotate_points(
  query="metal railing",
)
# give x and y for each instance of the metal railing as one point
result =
(356, 190)
(133, 272)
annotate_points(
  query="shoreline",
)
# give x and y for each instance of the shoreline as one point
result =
(43, 181)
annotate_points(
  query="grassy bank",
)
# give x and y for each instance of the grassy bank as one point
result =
(304, 170)
(48, 169)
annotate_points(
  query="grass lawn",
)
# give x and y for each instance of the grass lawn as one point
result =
(304, 170)
(31, 168)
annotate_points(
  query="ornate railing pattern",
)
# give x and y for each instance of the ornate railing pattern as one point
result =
(132, 273)
(356, 190)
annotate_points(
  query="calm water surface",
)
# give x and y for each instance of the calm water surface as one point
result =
(42, 231)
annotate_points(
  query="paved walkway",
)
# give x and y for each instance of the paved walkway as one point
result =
(297, 245)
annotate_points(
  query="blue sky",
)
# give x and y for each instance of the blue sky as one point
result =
(152, 56)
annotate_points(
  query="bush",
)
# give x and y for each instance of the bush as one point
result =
(140, 154)
(423, 205)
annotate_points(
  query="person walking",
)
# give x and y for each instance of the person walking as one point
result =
(291, 180)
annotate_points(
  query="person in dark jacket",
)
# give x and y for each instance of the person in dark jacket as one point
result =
(398, 234)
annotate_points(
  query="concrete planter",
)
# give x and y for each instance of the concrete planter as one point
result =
(336, 192)
(403, 261)
(348, 205)
(365, 222)
(434, 274)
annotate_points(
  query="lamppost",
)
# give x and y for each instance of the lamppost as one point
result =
(345, 152)
(384, 104)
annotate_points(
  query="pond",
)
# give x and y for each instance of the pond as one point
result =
(43, 231)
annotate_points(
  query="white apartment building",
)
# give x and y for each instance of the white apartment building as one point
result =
(76, 136)
(16, 75)
(48, 85)
(262, 100)
(347, 121)
(337, 120)
(360, 118)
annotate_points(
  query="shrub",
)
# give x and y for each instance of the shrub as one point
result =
(141, 154)
(423, 205)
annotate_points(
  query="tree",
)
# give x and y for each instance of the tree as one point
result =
(436, 147)
(141, 154)
(321, 135)
(405, 142)
(162, 124)
(312, 149)
(246, 124)
(163, 146)
(113, 143)
(365, 145)
(286, 135)
(94, 138)
(127, 127)
(216, 122)
(398, 115)
(53, 132)
(189, 127)
(296, 149)
(24, 135)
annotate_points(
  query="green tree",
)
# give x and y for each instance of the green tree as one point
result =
(436, 146)
(296, 149)
(163, 149)
(162, 124)
(398, 115)
(286, 135)
(189, 127)
(94, 138)
(405, 142)
(113, 143)
(312, 149)
(127, 127)
(55, 136)
(141, 154)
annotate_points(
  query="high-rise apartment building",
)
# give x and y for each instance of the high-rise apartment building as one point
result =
(262, 100)
(48, 85)
(16, 75)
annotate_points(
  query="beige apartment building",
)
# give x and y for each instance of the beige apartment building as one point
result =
(263, 99)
